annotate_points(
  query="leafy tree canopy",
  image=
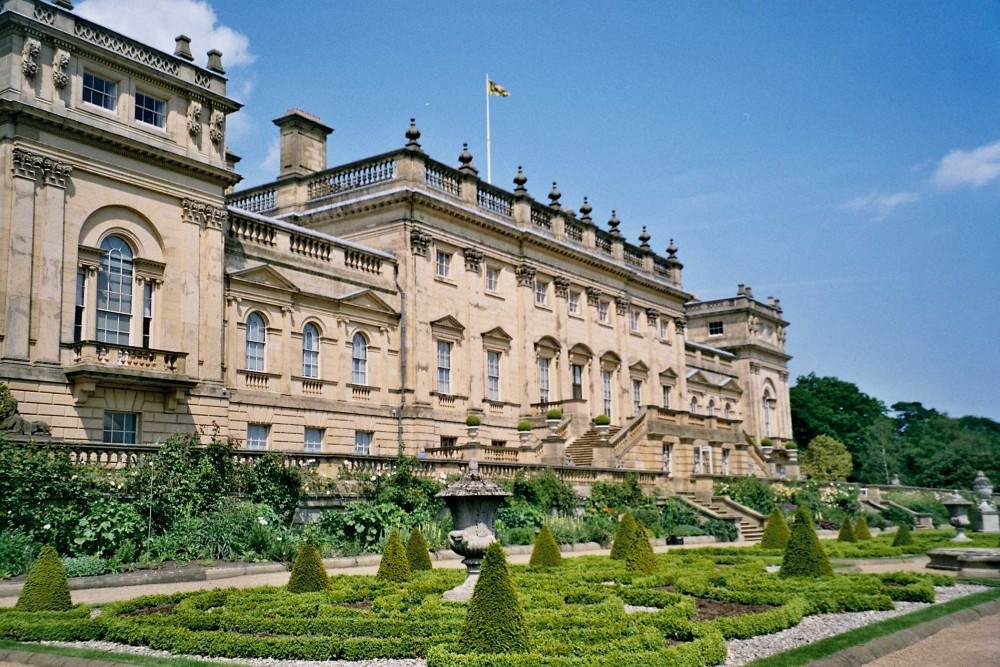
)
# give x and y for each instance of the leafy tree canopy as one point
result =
(826, 459)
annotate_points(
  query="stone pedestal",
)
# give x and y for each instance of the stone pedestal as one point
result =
(554, 451)
(985, 519)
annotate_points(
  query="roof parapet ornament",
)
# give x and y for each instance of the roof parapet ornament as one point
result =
(215, 61)
(412, 137)
(65, 4)
(585, 211)
(182, 47)
(519, 180)
(672, 250)
(465, 157)
(644, 239)
(554, 196)
(613, 224)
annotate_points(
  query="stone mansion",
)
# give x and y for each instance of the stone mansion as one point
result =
(353, 311)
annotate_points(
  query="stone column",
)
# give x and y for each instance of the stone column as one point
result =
(47, 275)
(25, 168)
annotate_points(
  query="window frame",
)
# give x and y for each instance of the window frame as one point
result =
(444, 352)
(603, 311)
(254, 441)
(633, 320)
(312, 445)
(159, 113)
(120, 274)
(442, 264)
(310, 351)
(493, 279)
(493, 359)
(717, 328)
(119, 432)
(255, 351)
(107, 92)
(363, 442)
(573, 302)
(541, 293)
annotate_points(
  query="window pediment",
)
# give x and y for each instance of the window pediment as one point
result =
(496, 339)
(448, 328)
(368, 300)
(262, 276)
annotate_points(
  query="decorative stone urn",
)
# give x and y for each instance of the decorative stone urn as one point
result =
(473, 501)
(472, 431)
(958, 508)
(984, 516)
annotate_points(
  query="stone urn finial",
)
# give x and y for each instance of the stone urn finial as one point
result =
(982, 487)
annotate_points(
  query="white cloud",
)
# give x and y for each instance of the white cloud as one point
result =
(881, 206)
(159, 22)
(975, 167)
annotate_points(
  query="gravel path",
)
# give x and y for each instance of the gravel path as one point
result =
(976, 643)
(814, 628)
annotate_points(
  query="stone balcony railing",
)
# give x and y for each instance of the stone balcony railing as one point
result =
(91, 363)
(414, 169)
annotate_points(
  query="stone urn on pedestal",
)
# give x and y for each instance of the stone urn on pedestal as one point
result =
(958, 509)
(984, 516)
(473, 501)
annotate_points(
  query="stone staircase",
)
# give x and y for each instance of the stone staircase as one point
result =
(751, 528)
(582, 449)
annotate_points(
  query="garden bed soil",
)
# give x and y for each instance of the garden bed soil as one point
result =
(709, 610)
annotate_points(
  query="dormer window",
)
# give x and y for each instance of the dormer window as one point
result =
(99, 91)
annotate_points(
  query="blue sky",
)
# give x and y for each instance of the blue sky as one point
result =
(843, 157)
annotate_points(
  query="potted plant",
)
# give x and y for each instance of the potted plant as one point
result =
(524, 429)
(793, 451)
(552, 418)
(767, 446)
(602, 423)
(472, 423)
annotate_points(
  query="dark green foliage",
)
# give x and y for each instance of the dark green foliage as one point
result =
(898, 516)
(904, 536)
(308, 573)
(826, 459)
(394, 566)
(776, 532)
(545, 491)
(546, 551)
(623, 537)
(17, 553)
(752, 492)
(626, 495)
(846, 533)
(721, 529)
(495, 621)
(45, 588)
(417, 554)
(804, 555)
(861, 531)
(271, 482)
(640, 557)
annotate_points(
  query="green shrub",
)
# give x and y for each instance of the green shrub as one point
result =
(904, 536)
(308, 573)
(721, 530)
(846, 533)
(524, 425)
(640, 557)
(87, 566)
(897, 516)
(45, 588)
(623, 537)
(417, 554)
(17, 552)
(861, 529)
(776, 531)
(804, 555)
(753, 492)
(554, 413)
(602, 420)
(495, 621)
(546, 551)
(621, 496)
(473, 420)
(394, 566)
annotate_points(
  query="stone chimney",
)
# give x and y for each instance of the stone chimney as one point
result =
(303, 143)
(182, 47)
(215, 62)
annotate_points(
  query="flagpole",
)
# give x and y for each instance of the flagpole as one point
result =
(489, 161)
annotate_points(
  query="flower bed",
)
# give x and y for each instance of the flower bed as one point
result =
(577, 615)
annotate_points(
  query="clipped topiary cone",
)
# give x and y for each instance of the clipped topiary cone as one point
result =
(640, 556)
(495, 621)
(846, 533)
(804, 555)
(546, 551)
(861, 529)
(417, 554)
(45, 588)
(308, 573)
(904, 536)
(394, 566)
(623, 537)
(776, 531)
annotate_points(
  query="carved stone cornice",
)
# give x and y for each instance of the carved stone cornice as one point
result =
(561, 284)
(754, 368)
(207, 215)
(783, 375)
(525, 275)
(652, 315)
(60, 63)
(420, 241)
(32, 165)
(593, 296)
(681, 324)
(194, 118)
(217, 126)
(622, 303)
(473, 259)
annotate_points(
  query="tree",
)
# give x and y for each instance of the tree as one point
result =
(640, 557)
(623, 537)
(826, 459)
(804, 556)
(545, 552)
(394, 565)
(833, 407)
(308, 574)
(45, 588)
(878, 459)
(846, 533)
(776, 532)
(416, 552)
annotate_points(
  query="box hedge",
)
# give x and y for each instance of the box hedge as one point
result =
(394, 565)
(308, 574)
(846, 533)
(417, 553)
(776, 531)
(623, 537)
(495, 621)
(545, 553)
(45, 588)
(804, 555)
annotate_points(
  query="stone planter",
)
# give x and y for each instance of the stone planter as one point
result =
(767, 451)
(553, 424)
(473, 431)
(602, 430)
(524, 436)
(793, 455)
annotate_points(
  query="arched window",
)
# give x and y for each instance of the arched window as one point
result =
(114, 292)
(728, 411)
(359, 356)
(711, 408)
(310, 351)
(694, 406)
(256, 339)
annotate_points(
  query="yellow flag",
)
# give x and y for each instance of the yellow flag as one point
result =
(496, 89)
